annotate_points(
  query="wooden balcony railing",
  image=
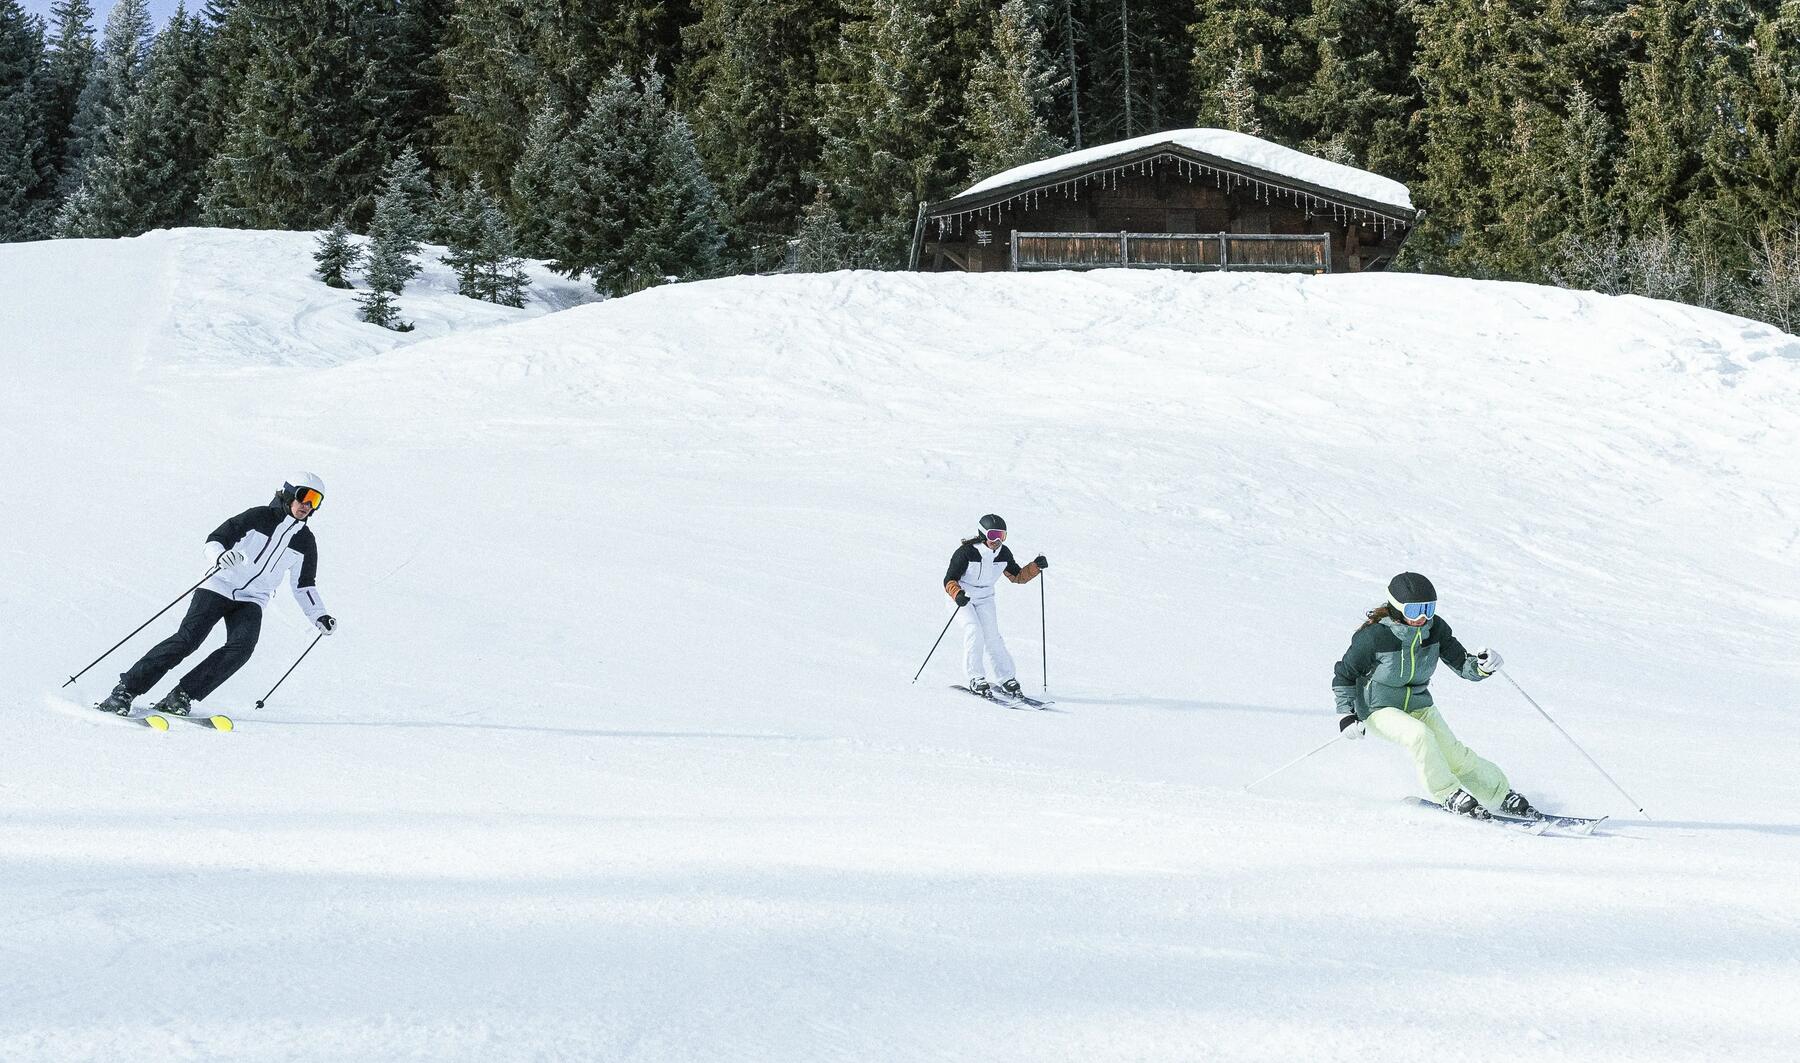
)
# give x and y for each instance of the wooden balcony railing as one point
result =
(1309, 254)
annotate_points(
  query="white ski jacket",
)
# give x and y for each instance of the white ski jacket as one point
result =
(275, 545)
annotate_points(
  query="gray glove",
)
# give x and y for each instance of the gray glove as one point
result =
(230, 559)
(1488, 661)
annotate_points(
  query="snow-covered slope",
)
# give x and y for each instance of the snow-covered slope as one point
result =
(616, 756)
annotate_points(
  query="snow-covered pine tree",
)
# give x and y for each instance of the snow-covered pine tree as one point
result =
(482, 246)
(395, 233)
(303, 141)
(1248, 60)
(390, 266)
(540, 183)
(823, 244)
(118, 68)
(146, 170)
(884, 123)
(22, 143)
(407, 184)
(335, 254)
(676, 233)
(1011, 90)
(69, 56)
(751, 75)
(593, 179)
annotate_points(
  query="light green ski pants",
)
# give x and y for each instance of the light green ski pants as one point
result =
(1443, 762)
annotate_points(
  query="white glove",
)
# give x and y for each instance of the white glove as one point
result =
(1487, 661)
(1351, 727)
(326, 623)
(230, 558)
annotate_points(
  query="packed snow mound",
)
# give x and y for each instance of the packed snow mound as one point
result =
(225, 299)
(615, 753)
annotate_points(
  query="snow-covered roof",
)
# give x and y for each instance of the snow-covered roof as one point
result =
(1227, 146)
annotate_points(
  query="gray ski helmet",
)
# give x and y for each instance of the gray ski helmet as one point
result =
(992, 522)
(1410, 588)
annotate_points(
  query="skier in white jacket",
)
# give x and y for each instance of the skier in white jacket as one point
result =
(251, 554)
(974, 569)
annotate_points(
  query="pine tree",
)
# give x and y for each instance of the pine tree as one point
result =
(1477, 62)
(22, 142)
(1358, 105)
(145, 171)
(1011, 90)
(482, 248)
(305, 137)
(408, 184)
(1552, 186)
(675, 233)
(751, 78)
(118, 68)
(397, 228)
(823, 244)
(336, 253)
(1138, 69)
(1249, 62)
(390, 266)
(542, 184)
(885, 150)
(69, 57)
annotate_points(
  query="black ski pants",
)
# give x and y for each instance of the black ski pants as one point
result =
(243, 624)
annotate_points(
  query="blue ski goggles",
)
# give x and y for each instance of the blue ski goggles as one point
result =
(1417, 611)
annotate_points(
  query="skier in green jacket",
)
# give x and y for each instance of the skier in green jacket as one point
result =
(1381, 684)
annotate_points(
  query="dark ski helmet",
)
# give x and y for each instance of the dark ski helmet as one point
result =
(1412, 596)
(992, 523)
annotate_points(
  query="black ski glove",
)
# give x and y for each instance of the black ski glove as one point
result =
(326, 623)
(1041, 562)
(1350, 726)
(961, 598)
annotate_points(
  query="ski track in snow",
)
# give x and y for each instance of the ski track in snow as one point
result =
(615, 755)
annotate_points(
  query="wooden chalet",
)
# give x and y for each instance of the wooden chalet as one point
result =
(1200, 199)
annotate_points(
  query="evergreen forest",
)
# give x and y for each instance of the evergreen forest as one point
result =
(1649, 147)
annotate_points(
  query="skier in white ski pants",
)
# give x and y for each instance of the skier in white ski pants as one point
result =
(974, 569)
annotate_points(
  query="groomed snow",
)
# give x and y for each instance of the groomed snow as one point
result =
(1224, 144)
(616, 757)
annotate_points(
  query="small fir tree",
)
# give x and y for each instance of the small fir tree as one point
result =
(336, 254)
(824, 244)
(481, 248)
(390, 267)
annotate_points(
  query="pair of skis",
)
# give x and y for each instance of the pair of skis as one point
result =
(1000, 697)
(159, 721)
(1540, 824)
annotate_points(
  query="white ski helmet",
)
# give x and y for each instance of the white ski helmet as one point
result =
(306, 486)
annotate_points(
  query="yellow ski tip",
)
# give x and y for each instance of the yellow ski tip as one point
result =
(156, 723)
(223, 723)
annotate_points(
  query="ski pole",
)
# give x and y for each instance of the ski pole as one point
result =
(1578, 749)
(1293, 762)
(1043, 633)
(290, 671)
(934, 645)
(142, 626)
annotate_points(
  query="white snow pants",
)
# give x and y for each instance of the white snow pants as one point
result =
(981, 632)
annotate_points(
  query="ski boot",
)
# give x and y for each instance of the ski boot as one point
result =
(175, 703)
(1012, 689)
(1463, 803)
(1516, 805)
(979, 685)
(119, 701)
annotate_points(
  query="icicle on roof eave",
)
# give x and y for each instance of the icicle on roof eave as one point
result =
(1387, 214)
